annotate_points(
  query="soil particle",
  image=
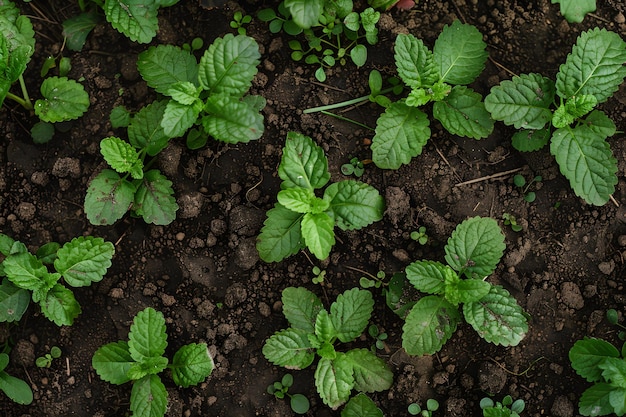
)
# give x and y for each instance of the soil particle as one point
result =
(235, 294)
(26, 211)
(66, 167)
(246, 255)
(169, 159)
(23, 353)
(190, 205)
(571, 295)
(246, 221)
(398, 204)
(40, 178)
(201, 270)
(491, 377)
(562, 407)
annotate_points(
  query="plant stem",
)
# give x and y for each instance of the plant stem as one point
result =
(25, 102)
(345, 119)
(344, 103)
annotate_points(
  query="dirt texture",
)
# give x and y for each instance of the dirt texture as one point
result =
(566, 267)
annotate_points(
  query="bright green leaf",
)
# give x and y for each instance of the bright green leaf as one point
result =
(429, 325)
(84, 260)
(134, 18)
(303, 163)
(463, 113)
(148, 397)
(164, 65)
(121, 156)
(305, 13)
(281, 234)
(334, 380)
(147, 337)
(63, 99)
(587, 354)
(318, 234)
(361, 406)
(573, 109)
(191, 365)
(16, 389)
(429, 276)
(154, 199)
(60, 306)
(112, 362)
(145, 130)
(13, 301)
(300, 307)
(575, 10)
(25, 271)
(289, 348)
(178, 118)
(371, 373)
(325, 332)
(354, 204)
(301, 200)
(232, 120)
(459, 53)
(415, 62)
(351, 312)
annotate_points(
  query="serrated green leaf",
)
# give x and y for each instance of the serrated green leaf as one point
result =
(229, 65)
(184, 92)
(463, 113)
(145, 130)
(361, 406)
(300, 307)
(289, 348)
(281, 234)
(178, 118)
(40, 294)
(121, 156)
(351, 312)
(595, 401)
(401, 134)
(303, 163)
(573, 109)
(471, 290)
(594, 67)
(415, 62)
(108, 198)
(600, 123)
(614, 371)
(148, 398)
(112, 362)
(164, 65)
(523, 101)
(587, 354)
(147, 337)
(459, 53)
(325, 330)
(334, 380)
(302, 200)
(47, 252)
(371, 373)
(63, 99)
(191, 365)
(16, 389)
(305, 13)
(134, 18)
(575, 10)
(119, 117)
(148, 366)
(318, 233)
(84, 260)
(77, 28)
(429, 325)
(60, 306)
(530, 140)
(497, 317)
(13, 302)
(429, 276)
(232, 120)
(617, 399)
(586, 160)
(354, 204)
(6, 243)
(25, 271)
(154, 199)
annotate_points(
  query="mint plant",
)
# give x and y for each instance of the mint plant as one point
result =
(506, 408)
(472, 254)
(302, 219)
(564, 114)
(141, 359)
(131, 184)
(210, 94)
(46, 360)
(574, 11)
(80, 262)
(16, 389)
(280, 389)
(314, 331)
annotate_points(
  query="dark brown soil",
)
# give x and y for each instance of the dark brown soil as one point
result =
(566, 268)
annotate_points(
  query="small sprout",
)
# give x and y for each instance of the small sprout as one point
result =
(319, 275)
(373, 281)
(196, 44)
(509, 220)
(355, 166)
(506, 408)
(420, 235)
(520, 182)
(279, 389)
(46, 360)
(613, 317)
(380, 337)
(431, 406)
(240, 21)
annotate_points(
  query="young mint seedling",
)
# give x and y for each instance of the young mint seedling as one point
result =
(510, 220)
(280, 389)
(420, 235)
(140, 359)
(506, 408)
(14, 388)
(472, 254)
(240, 21)
(314, 331)
(355, 166)
(46, 360)
(562, 113)
(302, 219)
(520, 182)
(432, 405)
(319, 273)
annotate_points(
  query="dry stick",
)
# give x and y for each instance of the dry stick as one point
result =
(320, 84)
(489, 177)
(458, 177)
(599, 18)
(614, 201)
(499, 65)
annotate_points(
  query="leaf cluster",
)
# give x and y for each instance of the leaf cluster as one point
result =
(562, 112)
(280, 389)
(16, 389)
(506, 408)
(302, 219)
(140, 359)
(80, 262)
(472, 253)
(314, 331)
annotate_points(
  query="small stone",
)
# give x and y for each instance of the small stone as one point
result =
(26, 211)
(66, 167)
(606, 267)
(620, 18)
(180, 236)
(168, 300)
(571, 296)
(116, 293)
(40, 178)
(264, 309)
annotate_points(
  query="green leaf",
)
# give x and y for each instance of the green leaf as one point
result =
(16, 389)
(600, 123)
(359, 55)
(17, 28)
(63, 99)
(300, 307)
(401, 134)
(463, 113)
(121, 156)
(178, 118)
(119, 117)
(588, 354)
(594, 67)
(429, 276)
(586, 160)
(302, 200)
(289, 348)
(148, 398)
(575, 10)
(84, 260)
(305, 13)
(184, 92)
(13, 302)
(108, 198)
(112, 362)
(351, 312)
(371, 373)
(595, 401)
(232, 120)
(334, 380)
(191, 365)
(530, 140)
(60, 306)
(415, 62)
(77, 28)
(229, 65)
(164, 65)
(325, 332)
(354, 204)
(614, 371)
(573, 109)
(429, 325)
(471, 290)
(475, 247)
(25, 271)
(145, 130)
(318, 234)
(148, 366)
(459, 53)
(617, 398)
(154, 199)
(303, 163)
(361, 406)
(147, 337)
(281, 234)
(523, 101)
(134, 18)
(497, 317)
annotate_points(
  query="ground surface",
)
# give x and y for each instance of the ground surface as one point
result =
(202, 271)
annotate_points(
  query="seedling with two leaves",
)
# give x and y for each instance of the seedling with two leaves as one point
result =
(378, 336)
(432, 405)
(562, 112)
(506, 408)
(510, 220)
(319, 273)
(302, 219)
(520, 182)
(314, 331)
(141, 359)
(46, 360)
(280, 389)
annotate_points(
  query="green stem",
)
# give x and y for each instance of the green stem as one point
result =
(26, 103)
(17, 99)
(344, 103)
(345, 119)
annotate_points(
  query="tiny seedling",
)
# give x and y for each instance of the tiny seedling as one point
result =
(372, 281)
(240, 21)
(280, 389)
(506, 408)
(320, 274)
(354, 167)
(80, 262)
(562, 112)
(45, 361)
(361, 406)
(523, 185)
(432, 405)
(472, 254)
(195, 45)
(510, 220)
(140, 359)
(574, 11)
(314, 331)
(302, 219)
(613, 318)
(14, 388)
(379, 336)
(420, 235)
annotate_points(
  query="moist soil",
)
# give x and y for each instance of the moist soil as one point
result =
(566, 267)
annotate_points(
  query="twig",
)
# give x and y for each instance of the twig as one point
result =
(489, 177)
(458, 177)
(499, 65)
(614, 201)
(599, 18)
(320, 84)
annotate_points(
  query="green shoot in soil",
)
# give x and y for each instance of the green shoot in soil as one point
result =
(379, 336)
(280, 389)
(420, 235)
(510, 220)
(432, 405)
(361, 406)
(319, 273)
(240, 21)
(45, 361)
(506, 408)
(520, 182)
(354, 167)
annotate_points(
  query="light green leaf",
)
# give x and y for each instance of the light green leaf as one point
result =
(232, 120)
(334, 380)
(108, 198)
(575, 10)
(475, 247)
(305, 13)
(325, 332)
(359, 55)
(281, 234)
(13, 301)
(573, 109)
(463, 113)
(471, 290)
(594, 67)
(600, 123)
(459, 53)
(401, 134)
(148, 397)
(523, 101)
(6, 244)
(617, 398)
(429, 325)
(614, 371)
(134, 18)
(351, 312)
(184, 92)
(289, 348)
(178, 118)
(147, 337)
(303, 163)
(148, 366)
(371, 373)
(16, 389)
(154, 199)
(164, 65)
(318, 234)
(415, 62)
(354, 204)
(497, 317)
(63, 99)
(429, 276)
(121, 156)
(530, 140)
(302, 200)
(595, 401)
(84, 260)
(60, 306)
(361, 406)
(112, 362)
(586, 160)
(16, 27)
(25, 271)
(191, 365)
(145, 130)
(300, 307)
(588, 354)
